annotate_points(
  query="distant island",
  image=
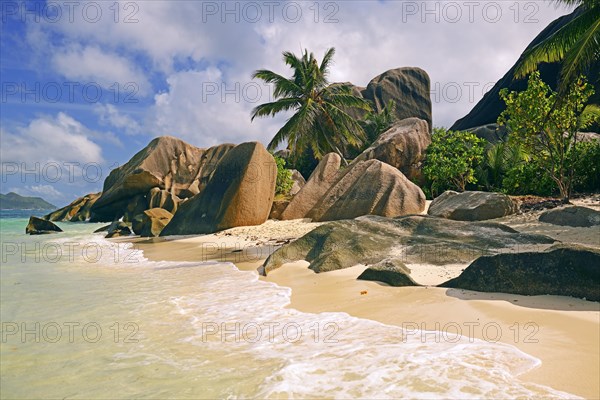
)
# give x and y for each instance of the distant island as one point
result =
(13, 201)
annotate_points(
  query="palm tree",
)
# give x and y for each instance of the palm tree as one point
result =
(577, 44)
(320, 121)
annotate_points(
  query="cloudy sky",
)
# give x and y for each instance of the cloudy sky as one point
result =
(85, 85)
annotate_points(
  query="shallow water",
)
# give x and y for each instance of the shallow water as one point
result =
(83, 317)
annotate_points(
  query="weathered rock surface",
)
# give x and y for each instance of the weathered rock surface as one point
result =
(160, 198)
(572, 216)
(472, 206)
(409, 87)
(167, 163)
(318, 183)
(299, 182)
(487, 110)
(104, 228)
(151, 222)
(402, 146)
(391, 271)
(118, 228)
(39, 226)
(78, 210)
(240, 193)
(369, 188)
(413, 239)
(493, 133)
(278, 207)
(563, 270)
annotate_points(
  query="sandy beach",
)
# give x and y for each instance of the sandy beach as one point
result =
(563, 332)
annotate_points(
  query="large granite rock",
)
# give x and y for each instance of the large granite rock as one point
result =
(240, 193)
(151, 222)
(318, 183)
(78, 210)
(369, 188)
(160, 198)
(402, 146)
(167, 163)
(299, 182)
(492, 133)
(472, 206)
(572, 216)
(118, 228)
(409, 87)
(390, 271)
(414, 239)
(564, 270)
(487, 110)
(39, 226)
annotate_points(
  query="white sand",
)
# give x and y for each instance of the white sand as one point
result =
(566, 331)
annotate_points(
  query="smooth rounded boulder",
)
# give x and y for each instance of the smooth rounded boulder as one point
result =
(369, 188)
(409, 87)
(239, 193)
(118, 228)
(39, 226)
(318, 183)
(472, 206)
(572, 216)
(390, 271)
(563, 270)
(402, 146)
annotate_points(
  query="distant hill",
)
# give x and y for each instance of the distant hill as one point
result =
(13, 201)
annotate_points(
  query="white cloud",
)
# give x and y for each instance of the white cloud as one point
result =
(370, 38)
(110, 115)
(60, 139)
(203, 109)
(93, 65)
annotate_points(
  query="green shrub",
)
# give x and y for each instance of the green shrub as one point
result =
(528, 178)
(586, 162)
(284, 178)
(451, 159)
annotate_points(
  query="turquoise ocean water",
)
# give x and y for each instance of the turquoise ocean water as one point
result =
(86, 318)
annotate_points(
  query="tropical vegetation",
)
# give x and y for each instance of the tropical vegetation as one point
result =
(321, 119)
(576, 44)
(547, 128)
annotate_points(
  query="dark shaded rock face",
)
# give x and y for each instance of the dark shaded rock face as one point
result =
(563, 270)
(409, 87)
(489, 108)
(167, 163)
(572, 216)
(402, 146)
(299, 182)
(393, 272)
(240, 193)
(278, 208)
(472, 206)
(411, 239)
(39, 226)
(118, 228)
(78, 210)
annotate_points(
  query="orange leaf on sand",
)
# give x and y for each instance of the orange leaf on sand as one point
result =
(363, 292)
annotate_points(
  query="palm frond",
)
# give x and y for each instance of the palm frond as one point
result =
(556, 46)
(583, 53)
(273, 108)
